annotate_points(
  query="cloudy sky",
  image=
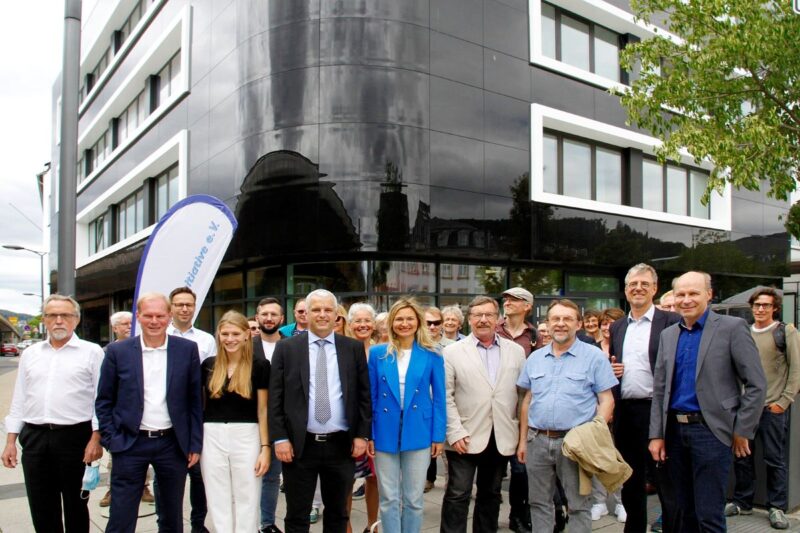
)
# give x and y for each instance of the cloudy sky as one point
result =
(31, 40)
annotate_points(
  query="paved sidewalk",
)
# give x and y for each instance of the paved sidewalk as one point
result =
(15, 517)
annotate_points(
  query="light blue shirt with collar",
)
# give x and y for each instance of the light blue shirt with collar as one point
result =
(337, 421)
(564, 389)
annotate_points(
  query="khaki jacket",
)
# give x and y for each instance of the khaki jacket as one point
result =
(590, 445)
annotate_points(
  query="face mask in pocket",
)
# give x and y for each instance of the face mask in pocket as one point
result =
(91, 478)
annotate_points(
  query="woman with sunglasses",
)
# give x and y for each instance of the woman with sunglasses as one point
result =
(434, 321)
(408, 415)
(236, 449)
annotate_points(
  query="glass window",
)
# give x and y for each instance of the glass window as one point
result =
(676, 190)
(343, 277)
(172, 194)
(228, 287)
(574, 42)
(473, 279)
(698, 185)
(606, 53)
(97, 235)
(590, 283)
(550, 162)
(130, 217)
(161, 196)
(140, 210)
(577, 161)
(652, 185)
(540, 281)
(263, 282)
(548, 31)
(608, 164)
(403, 276)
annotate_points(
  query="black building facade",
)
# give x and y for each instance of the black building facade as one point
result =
(445, 148)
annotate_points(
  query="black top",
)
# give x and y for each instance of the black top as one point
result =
(231, 407)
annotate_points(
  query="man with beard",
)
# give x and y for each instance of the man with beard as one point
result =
(52, 412)
(269, 315)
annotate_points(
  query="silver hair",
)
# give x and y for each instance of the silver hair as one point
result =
(62, 298)
(119, 316)
(151, 296)
(360, 306)
(638, 269)
(454, 310)
(322, 293)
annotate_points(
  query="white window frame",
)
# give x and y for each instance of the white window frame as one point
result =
(174, 150)
(598, 12)
(543, 117)
(176, 36)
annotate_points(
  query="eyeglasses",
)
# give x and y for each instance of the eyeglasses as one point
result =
(340, 319)
(186, 305)
(761, 306)
(253, 328)
(434, 322)
(62, 316)
(483, 316)
(300, 311)
(642, 284)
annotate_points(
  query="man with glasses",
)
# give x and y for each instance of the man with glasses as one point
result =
(254, 330)
(300, 323)
(481, 371)
(779, 348)
(183, 302)
(52, 413)
(517, 305)
(566, 384)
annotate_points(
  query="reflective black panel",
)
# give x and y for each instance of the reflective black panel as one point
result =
(460, 18)
(456, 108)
(507, 75)
(507, 121)
(505, 29)
(456, 162)
(374, 42)
(456, 59)
(413, 11)
(505, 168)
(283, 48)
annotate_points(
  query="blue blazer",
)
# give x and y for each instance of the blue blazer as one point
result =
(120, 394)
(424, 415)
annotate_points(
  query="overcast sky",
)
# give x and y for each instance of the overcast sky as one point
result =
(31, 39)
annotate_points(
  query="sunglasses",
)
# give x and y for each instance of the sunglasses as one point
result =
(434, 322)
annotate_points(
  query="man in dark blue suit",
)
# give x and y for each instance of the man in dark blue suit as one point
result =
(149, 409)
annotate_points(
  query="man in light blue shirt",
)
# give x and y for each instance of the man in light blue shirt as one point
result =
(567, 383)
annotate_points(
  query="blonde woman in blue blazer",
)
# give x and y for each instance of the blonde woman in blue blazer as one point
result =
(408, 415)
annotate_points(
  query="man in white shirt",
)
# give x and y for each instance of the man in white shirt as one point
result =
(183, 303)
(52, 412)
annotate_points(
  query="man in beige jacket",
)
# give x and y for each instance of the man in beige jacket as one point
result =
(481, 372)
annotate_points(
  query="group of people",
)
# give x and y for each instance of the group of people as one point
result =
(612, 399)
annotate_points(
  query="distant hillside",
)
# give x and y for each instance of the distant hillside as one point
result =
(20, 316)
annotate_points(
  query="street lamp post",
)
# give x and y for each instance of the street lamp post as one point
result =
(41, 267)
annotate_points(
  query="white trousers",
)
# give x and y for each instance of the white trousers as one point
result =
(228, 463)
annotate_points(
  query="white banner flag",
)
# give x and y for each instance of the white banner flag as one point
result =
(186, 249)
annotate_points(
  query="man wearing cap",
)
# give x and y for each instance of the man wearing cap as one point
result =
(517, 305)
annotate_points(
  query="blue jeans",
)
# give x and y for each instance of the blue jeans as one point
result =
(698, 464)
(772, 430)
(270, 488)
(401, 482)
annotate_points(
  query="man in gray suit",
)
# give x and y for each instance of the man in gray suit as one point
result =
(708, 393)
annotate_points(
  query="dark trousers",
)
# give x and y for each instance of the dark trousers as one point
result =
(631, 436)
(127, 483)
(332, 463)
(461, 469)
(430, 475)
(52, 463)
(518, 491)
(772, 433)
(197, 497)
(698, 464)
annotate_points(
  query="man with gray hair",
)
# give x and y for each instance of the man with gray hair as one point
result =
(320, 415)
(52, 412)
(121, 324)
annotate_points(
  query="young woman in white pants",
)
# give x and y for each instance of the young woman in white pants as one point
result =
(236, 449)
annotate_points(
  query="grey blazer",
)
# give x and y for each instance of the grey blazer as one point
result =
(730, 381)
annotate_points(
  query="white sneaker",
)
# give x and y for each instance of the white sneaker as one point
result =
(622, 516)
(599, 510)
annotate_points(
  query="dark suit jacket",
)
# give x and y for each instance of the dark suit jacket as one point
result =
(288, 389)
(120, 394)
(730, 382)
(258, 347)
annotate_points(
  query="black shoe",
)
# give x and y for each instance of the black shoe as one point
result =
(272, 528)
(518, 526)
(561, 520)
(200, 529)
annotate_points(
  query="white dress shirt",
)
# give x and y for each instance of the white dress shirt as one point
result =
(56, 385)
(637, 376)
(338, 421)
(155, 414)
(490, 357)
(403, 360)
(206, 344)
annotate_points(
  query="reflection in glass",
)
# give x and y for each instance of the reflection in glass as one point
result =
(590, 283)
(263, 282)
(699, 182)
(676, 190)
(228, 287)
(608, 164)
(577, 169)
(404, 276)
(606, 53)
(540, 281)
(574, 42)
(350, 276)
(548, 31)
(550, 163)
(652, 185)
(471, 279)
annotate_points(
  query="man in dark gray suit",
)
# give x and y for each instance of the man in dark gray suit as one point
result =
(708, 393)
